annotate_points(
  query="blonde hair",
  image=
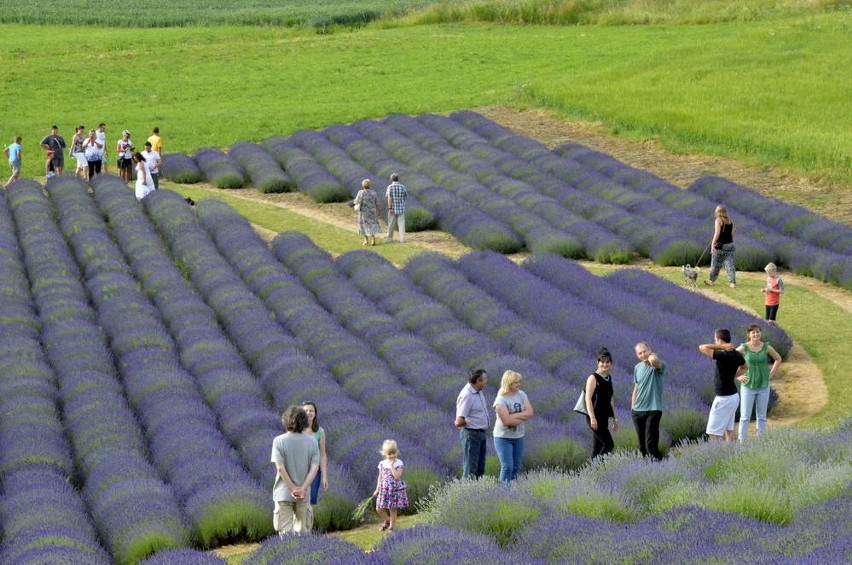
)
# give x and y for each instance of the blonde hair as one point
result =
(389, 447)
(722, 214)
(770, 268)
(509, 378)
(366, 183)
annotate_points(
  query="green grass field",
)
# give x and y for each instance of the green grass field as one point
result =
(766, 91)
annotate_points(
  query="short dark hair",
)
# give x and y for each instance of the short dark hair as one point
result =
(295, 419)
(604, 355)
(54, 127)
(101, 125)
(156, 130)
(394, 177)
(475, 375)
(147, 144)
(724, 335)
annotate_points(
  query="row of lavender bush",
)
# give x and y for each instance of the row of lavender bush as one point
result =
(693, 508)
(175, 337)
(573, 201)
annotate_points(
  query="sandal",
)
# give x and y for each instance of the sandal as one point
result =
(385, 525)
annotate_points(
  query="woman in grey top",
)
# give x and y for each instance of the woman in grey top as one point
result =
(513, 409)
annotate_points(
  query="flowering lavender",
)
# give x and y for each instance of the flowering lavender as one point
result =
(183, 557)
(440, 544)
(180, 168)
(308, 549)
(310, 177)
(221, 170)
(182, 433)
(261, 167)
(98, 420)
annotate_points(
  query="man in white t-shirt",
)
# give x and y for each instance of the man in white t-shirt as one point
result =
(100, 135)
(153, 159)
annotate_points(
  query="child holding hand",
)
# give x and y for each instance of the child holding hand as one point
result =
(391, 490)
(772, 291)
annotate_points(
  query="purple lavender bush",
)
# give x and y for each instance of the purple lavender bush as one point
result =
(310, 177)
(220, 170)
(440, 544)
(262, 169)
(181, 168)
(307, 550)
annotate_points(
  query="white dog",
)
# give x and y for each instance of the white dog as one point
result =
(691, 274)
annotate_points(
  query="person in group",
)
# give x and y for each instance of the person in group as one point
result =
(391, 491)
(296, 458)
(156, 141)
(101, 135)
(754, 393)
(646, 404)
(55, 145)
(318, 433)
(472, 422)
(396, 195)
(772, 293)
(93, 150)
(722, 247)
(729, 368)
(77, 153)
(600, 405)
(13, 153)
(366, 205)
(154, 161)
(124, 149)
(513, 409)
(144, 182)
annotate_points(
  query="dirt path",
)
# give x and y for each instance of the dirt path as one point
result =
(800, 385)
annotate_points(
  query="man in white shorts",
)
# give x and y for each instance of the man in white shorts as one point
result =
(730, 366)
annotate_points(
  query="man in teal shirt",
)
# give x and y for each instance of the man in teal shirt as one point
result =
(647, 402)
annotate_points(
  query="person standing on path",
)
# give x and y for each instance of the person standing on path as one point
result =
(472, 422)
(13, 152)
(396, 195)
(366, 206)
(296, 458)
(754, 394)
(55, 143)
(722, 248)
(77, 151)
(729, 367)
(772, 292)
(100, 134)
(647, 401)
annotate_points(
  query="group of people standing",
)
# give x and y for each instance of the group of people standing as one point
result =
(366, 204)
(722, 253)
(90, 152)
(752, 364)
(301, 471)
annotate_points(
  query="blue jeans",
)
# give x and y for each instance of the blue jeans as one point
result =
(757, 399)
(473, 442)
(723, 256)
(511, 455)
(315, 487)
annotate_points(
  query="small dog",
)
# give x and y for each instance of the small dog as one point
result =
(691, 274)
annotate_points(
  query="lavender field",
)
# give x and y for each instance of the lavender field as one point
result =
(147, 350)
(495, 190)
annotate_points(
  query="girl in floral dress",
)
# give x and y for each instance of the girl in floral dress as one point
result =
(391, 490)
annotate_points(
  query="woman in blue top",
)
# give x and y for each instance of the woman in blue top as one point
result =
(513, 409)
(319, 434)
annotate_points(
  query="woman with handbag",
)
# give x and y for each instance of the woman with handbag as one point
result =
(722, 247)
(366, 205)
(600, 405)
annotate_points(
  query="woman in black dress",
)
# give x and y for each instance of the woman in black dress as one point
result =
(600, 405)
